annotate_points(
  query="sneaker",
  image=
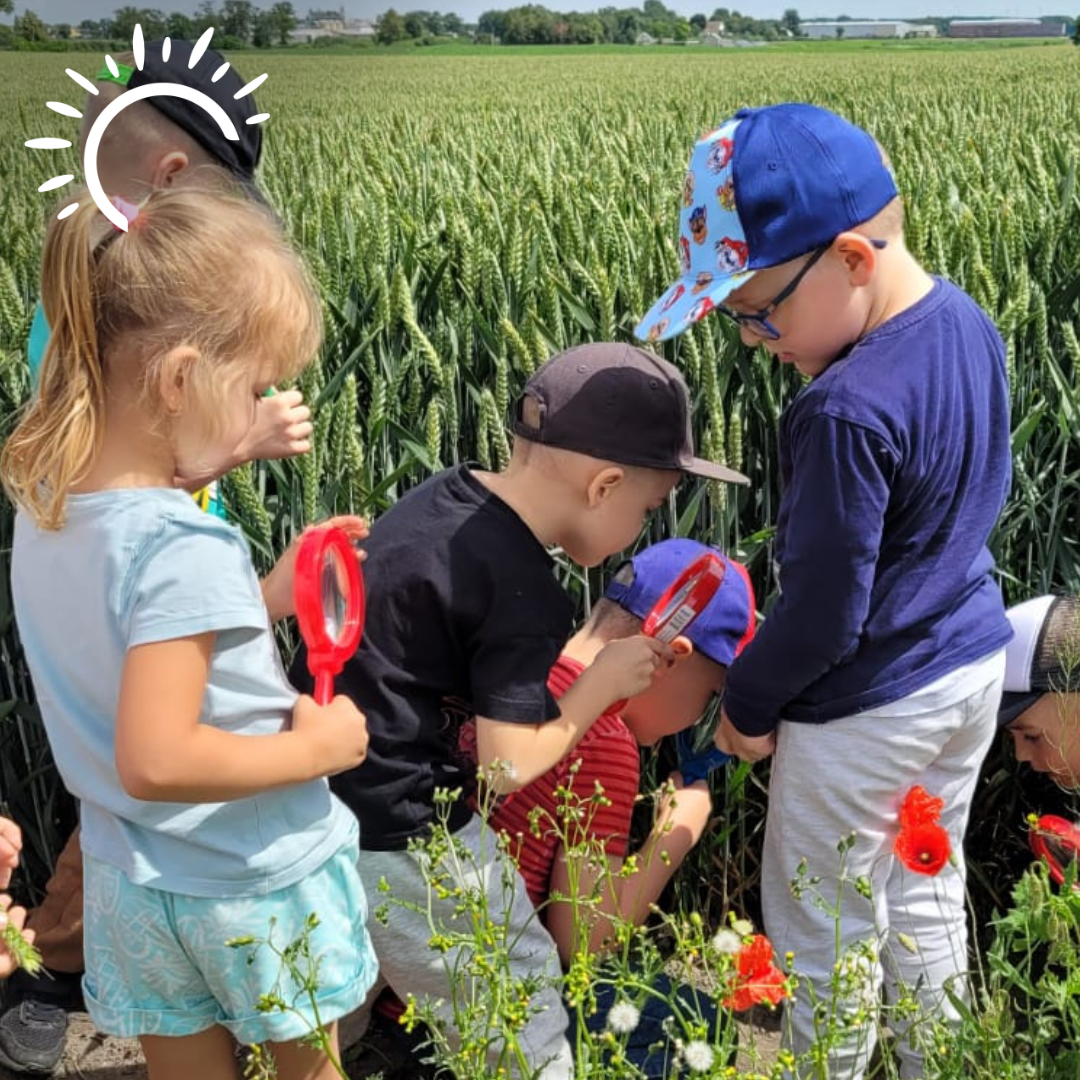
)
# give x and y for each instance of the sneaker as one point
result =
(33, 1027)
(386, 1049)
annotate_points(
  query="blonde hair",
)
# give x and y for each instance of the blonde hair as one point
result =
(197, 268)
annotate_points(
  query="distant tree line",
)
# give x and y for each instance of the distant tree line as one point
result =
(243, 24)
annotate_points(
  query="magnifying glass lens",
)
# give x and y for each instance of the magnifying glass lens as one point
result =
(334, 599)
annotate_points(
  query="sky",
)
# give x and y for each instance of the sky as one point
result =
(74, 11)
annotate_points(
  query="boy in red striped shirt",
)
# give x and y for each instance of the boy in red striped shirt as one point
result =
(608, 756)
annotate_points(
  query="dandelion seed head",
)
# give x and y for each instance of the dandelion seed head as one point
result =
(698, 1056)
(623, 1018)
(727, 941)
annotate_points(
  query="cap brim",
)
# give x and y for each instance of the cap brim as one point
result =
(1012, 705)
(675, 312)
(711, 471)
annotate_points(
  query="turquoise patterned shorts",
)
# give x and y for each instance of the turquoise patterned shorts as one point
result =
(157, 962)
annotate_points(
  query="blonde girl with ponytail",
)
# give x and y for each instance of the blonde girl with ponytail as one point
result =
(206, 814)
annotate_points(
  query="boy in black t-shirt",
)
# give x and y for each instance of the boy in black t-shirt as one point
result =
(465, 620)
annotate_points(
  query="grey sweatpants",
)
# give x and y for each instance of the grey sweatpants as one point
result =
(458, 979)
(845, 777)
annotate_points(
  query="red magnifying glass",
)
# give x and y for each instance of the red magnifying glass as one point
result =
(1056, 841)
(682, 602)
(329, 592)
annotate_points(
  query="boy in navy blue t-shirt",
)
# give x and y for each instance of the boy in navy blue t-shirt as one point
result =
(880, 665)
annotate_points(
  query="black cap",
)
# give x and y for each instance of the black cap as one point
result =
(618, 403)
(242, 157)
(1044, 654)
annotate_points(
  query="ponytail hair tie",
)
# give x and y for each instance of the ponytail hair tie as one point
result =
(130, 211)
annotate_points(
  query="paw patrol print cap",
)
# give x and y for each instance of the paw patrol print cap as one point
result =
(768, 185)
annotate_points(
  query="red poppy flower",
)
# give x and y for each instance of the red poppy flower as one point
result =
(757, 979)
(1057, 842)
(918, 808)
(923, 847)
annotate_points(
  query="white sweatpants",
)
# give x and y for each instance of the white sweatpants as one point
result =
(849, 776)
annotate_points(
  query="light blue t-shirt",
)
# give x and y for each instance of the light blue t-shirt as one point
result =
(141, 565)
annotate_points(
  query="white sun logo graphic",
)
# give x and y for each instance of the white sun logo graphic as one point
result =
(129, 97)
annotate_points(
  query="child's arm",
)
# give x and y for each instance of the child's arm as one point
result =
(680, 820)
(836, 501)
(163, 753)
(282, 429)
(622, 669)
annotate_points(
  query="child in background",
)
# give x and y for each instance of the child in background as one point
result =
(200, 771)
(156, 144)
(880, 665)
(1041, 705)
(469, 620)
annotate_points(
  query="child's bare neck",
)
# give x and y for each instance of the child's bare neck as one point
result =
(529, 494)
(130, 456)
(903, 284)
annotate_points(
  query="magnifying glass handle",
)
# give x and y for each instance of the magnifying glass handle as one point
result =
(324, 687)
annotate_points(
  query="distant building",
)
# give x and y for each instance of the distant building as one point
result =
(305, 35)
(1005, 28)
(644, 39)
(358, 28)
(310, 31)
(867, 28)
(714, 26)
(711, 39)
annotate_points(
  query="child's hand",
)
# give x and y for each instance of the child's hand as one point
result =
(629, 665)
(282, 429)
(337, 733)
(277, 586)
(729, 740)
(689, 807)
(10, 846)
(16, 948)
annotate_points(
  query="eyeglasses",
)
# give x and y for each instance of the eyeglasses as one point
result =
(758, 322)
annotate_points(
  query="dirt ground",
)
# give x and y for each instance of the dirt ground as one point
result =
(93, 1056)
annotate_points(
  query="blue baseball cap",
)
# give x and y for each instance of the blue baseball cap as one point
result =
(766, 186)
(722, 630)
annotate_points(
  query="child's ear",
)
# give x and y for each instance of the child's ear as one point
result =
(858, 255)
(602, 484)
(682, 647)
(168, 168)
(172, 377)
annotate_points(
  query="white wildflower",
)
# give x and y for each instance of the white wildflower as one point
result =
(623, 1018)
(698, 1056)
(727, 941)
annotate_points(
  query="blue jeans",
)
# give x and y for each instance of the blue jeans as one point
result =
(650, 1047)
